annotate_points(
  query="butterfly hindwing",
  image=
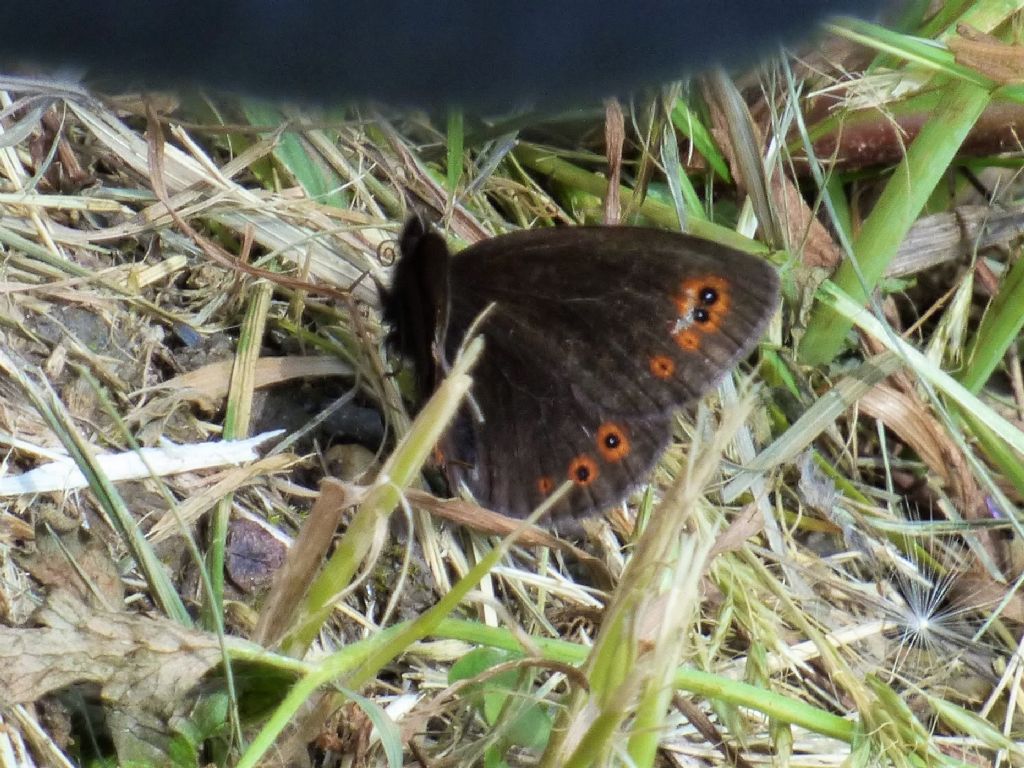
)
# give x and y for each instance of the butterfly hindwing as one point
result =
(522, 446)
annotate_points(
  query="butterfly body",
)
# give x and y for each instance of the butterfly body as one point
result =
(593, 337)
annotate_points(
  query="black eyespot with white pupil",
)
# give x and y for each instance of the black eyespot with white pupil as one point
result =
(612, 441)
(701, 315)
(708, 296)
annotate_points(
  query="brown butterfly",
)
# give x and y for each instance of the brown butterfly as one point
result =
(593, 337)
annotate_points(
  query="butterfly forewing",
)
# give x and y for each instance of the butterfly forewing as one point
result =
(602, 306)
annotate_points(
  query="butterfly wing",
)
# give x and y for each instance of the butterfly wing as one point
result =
(596, 335)
(527, 433)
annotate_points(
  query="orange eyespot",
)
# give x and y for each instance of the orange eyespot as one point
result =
(706, 299)
(612, 441)
(662, 366)
(545, 485)
(698, 287)
(583, 470)
(688, 340)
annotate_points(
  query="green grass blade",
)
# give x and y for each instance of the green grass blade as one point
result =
(897, 209)
(456, 147)
(999, 329)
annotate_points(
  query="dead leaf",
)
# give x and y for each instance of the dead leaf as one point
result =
(989, 55)
(146, 669)
(77, 563)
(906, 416)
(803, 230)
(136, 660)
